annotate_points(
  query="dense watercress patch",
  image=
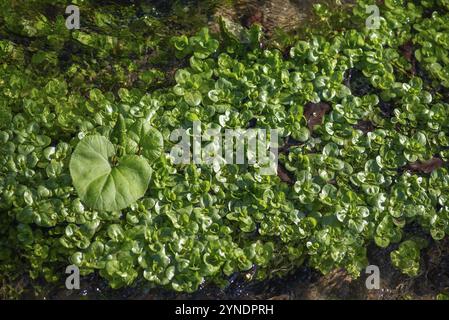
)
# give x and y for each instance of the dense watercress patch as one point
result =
(85, 172)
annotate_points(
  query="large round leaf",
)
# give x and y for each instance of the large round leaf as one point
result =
(102, 186)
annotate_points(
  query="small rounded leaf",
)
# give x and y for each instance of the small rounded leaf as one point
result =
(152, 144)
(193, 98)
(142, 135)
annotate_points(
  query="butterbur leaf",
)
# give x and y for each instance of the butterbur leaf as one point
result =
(103, 185)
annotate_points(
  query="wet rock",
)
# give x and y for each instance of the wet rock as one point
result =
(426, 166)
(271, 14)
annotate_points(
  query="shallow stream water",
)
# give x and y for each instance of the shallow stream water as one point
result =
(304, 283)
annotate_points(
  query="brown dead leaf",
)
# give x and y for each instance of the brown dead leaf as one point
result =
(284, 175)
(365, 126)
(253, 17)
(386, 108)
(426, 166)
(408, 53)
(289, 142)
(314, 113)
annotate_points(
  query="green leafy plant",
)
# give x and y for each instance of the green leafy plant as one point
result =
(104, 182)
(86, 118)
(407, 256)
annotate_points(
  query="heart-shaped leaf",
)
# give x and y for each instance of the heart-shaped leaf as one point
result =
(102, 185)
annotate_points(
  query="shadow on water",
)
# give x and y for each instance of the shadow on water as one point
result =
(189, 15)
(303, 284)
